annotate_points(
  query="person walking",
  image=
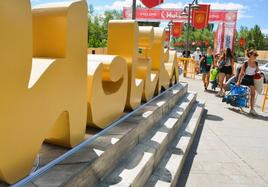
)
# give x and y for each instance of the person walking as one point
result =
(246, 76)
(206, 61)
(226, 64)
(196, 56)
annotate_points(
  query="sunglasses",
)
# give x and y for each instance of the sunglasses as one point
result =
(255, 55)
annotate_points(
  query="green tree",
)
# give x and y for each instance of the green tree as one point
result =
(96, 33)
(257, 37)
(196, 35)
(98, 26)
(254, 39)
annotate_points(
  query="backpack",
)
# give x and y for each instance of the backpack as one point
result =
(222, 62)
(246, 64)
(204, 61)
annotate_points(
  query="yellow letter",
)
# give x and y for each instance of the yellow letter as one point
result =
(166, 70)
(123, 41)
(44, 97)
(144, 67)
(107, 89)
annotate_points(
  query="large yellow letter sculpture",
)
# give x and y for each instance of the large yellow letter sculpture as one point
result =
(107, 89)
(166, 71)
(43, 97)
(123, 41)
(171, 66)
(144, 67)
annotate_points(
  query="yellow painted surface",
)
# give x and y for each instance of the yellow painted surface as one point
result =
(123, 41)
(107, 89)
(51, 87)
(42, 97)
(188, 65)
(144, 65)
(162, 61)
(265, 97)
(171, 66)
(99, 51)
(263, 55)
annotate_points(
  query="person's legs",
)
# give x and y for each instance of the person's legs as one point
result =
(227, 77)
(221, 78)
(207, 79)
(204, 79)
(252, 100)
(252, 96)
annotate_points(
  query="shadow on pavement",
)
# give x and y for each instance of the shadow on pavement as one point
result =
(211, 91)
(213, 117)
(259, 117)
(192, 152)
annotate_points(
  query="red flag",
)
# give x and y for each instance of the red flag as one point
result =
(152, 3)
(242, 42)
(200, 16)
(177, 29)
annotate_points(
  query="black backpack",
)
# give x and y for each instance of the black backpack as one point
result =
(246, 64)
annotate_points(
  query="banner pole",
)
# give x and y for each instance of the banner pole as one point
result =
(188, 29)
(134, 9)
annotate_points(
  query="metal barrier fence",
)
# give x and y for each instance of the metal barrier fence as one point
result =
(265, 97)
(189, 66)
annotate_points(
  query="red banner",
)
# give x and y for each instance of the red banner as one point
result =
(152, 3)
(177, 29)
(200, 16)
(146, 14)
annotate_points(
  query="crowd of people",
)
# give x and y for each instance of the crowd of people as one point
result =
(223, 64)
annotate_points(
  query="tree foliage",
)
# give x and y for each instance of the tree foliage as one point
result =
(98, 26)
(98, 29)
(253, 37)
(195, 36)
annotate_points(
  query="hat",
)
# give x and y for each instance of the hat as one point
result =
(197, 48)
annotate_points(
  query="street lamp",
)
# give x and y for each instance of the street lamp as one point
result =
(187, 12)
(170, 26)
(134, 9)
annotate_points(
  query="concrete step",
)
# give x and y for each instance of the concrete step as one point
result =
(94, 162)
(168, 171)
(136, 167)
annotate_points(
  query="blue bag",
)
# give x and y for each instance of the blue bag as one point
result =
(238, 96)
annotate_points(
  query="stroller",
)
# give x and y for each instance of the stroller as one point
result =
(213, 78)
(238, 96)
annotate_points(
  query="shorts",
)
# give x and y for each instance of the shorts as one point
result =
(248, 80)
(205, 69)
(226, 70)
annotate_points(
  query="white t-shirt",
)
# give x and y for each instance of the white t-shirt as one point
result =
(250, 70)
(197, 55)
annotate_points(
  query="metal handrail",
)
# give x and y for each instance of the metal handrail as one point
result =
(87, 142)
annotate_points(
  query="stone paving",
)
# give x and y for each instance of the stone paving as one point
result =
(230, 149)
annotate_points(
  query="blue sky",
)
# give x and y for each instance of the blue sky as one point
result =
(251, 12)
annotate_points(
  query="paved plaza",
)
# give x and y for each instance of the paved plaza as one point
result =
(230, 148)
